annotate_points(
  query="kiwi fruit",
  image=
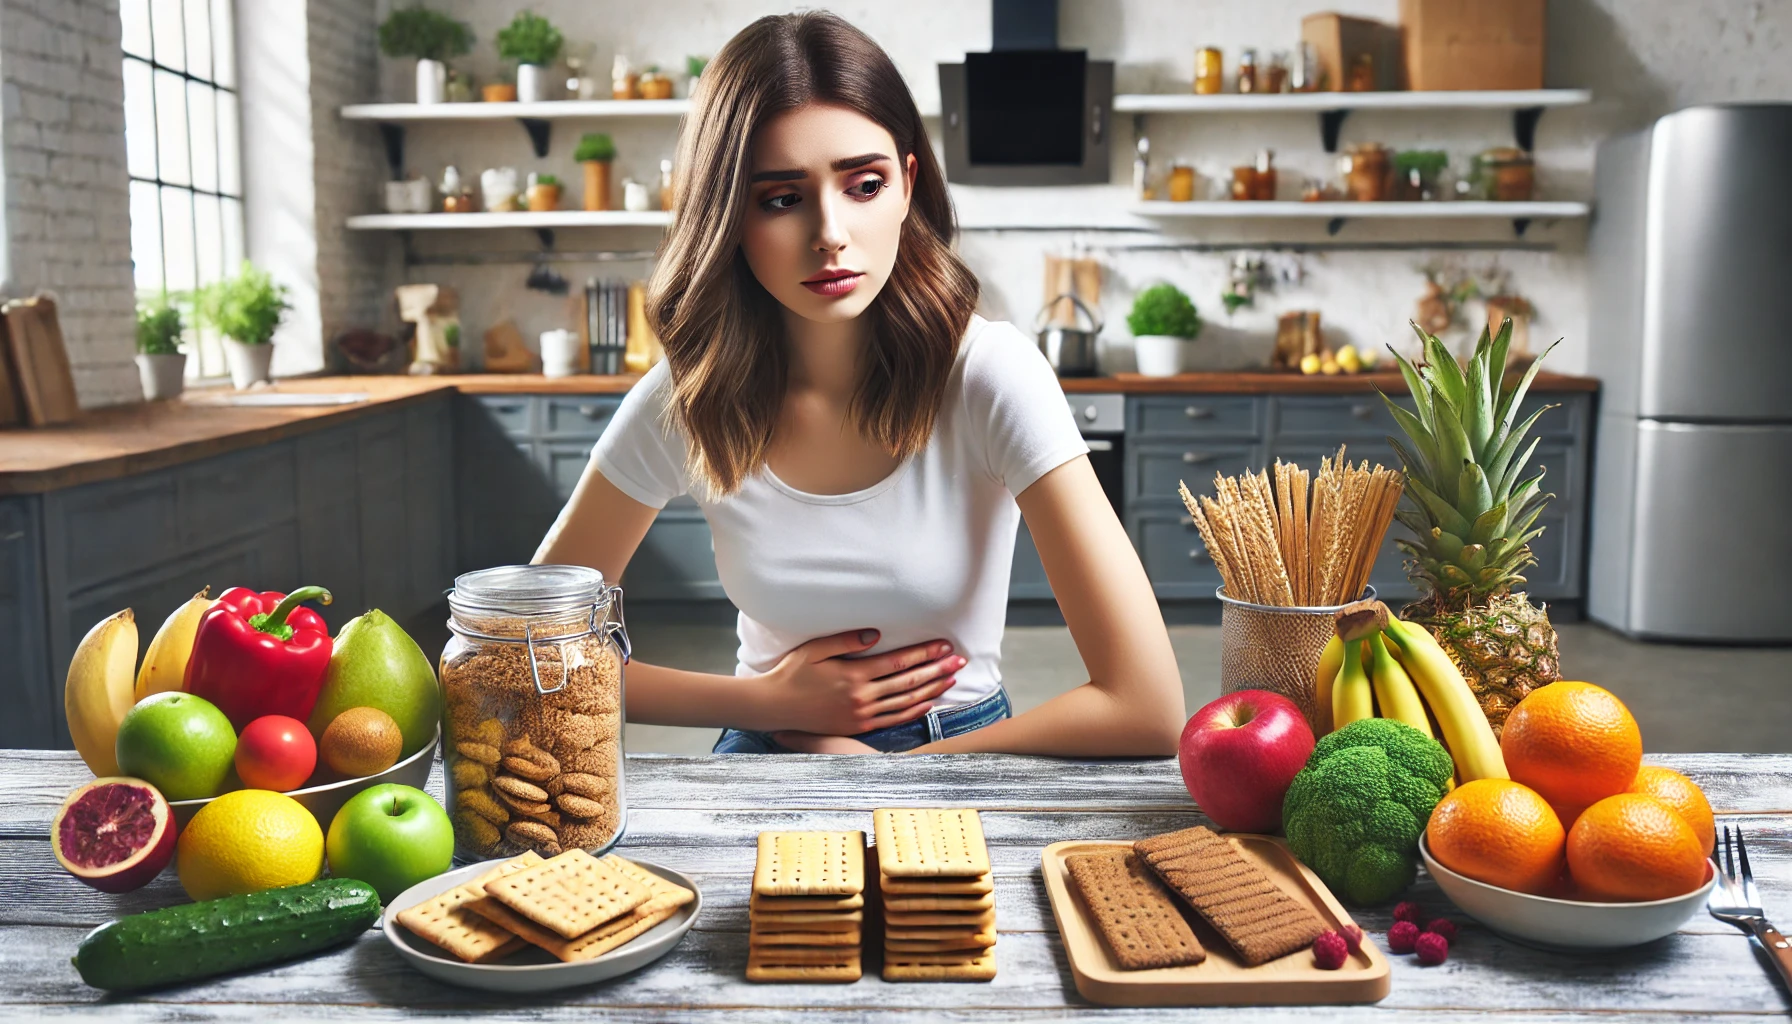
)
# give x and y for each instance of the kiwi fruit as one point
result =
(360, 742)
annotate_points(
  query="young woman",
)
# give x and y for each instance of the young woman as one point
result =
(860, 441)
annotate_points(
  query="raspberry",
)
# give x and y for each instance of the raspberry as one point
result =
(1445, 927)
(1402, 936)
(1408, 911)
(1353, 937)
(1432, 949)
(1330, 951)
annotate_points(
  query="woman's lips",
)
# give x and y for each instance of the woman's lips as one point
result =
(834, 286)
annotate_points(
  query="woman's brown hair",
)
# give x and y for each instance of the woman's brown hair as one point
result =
(722, 331)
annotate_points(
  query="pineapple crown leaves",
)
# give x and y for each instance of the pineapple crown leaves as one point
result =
(1464, 456)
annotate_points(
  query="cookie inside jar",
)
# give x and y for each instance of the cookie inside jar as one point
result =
(532, 683)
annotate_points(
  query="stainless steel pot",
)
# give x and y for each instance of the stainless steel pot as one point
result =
(1070, 350)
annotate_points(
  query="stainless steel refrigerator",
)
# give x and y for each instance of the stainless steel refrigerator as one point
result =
(1691, 335)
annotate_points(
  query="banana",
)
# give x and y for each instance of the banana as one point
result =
(165, 663)
(1394, 694)
(1466, 732)
(1330, 661)
(99, 690)
(1352, 698)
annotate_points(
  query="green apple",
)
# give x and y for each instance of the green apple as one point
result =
(391, 837)
(376, 664)
(179, 743)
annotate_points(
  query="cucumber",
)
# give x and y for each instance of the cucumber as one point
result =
(199, 940)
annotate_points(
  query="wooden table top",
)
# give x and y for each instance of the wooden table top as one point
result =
(701, 815)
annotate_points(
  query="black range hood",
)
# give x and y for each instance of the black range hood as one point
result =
(1026, 113)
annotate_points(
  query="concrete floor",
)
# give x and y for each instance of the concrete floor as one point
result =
(1685, 698)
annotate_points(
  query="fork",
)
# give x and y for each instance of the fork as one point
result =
(1735, 901)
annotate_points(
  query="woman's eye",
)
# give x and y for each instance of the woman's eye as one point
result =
(867, 188)
(776, 202)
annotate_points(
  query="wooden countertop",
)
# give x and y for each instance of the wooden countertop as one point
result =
(123, 440)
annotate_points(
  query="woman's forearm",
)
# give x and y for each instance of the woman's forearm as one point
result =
(1085, 722)
(670, 696)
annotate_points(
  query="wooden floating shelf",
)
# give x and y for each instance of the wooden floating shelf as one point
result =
(551, 110)
(1335, 214)
(1312, 102)
(536, 221)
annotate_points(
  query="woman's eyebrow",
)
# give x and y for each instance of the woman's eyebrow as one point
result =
(844, 164)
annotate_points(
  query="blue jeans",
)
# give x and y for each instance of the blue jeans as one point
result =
(935, 725)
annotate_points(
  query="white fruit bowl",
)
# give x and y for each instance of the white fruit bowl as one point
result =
(1566, 925)
(324, 800)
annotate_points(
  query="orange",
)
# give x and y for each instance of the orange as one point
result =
(1574, 743)
(1631, 848)
(1684, 796)
(1498, 832)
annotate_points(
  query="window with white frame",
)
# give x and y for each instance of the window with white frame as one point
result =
(183, 152)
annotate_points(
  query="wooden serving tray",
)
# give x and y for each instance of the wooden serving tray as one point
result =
(1221, 980)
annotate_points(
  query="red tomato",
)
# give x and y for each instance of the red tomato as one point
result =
(275, 752)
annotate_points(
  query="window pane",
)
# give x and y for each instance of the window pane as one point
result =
(139, 120)
(210, 238)
(224, 44)
(177, 238)
(146, 237)
(199, 38)
(171, 128)
(135, 14)
(165, 19)
(232, 216)
(230, 160)
(204, 135)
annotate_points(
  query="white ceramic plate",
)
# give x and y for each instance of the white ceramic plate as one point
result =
(1566, 925)
(532, 969)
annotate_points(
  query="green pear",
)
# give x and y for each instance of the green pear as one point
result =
(376, 664)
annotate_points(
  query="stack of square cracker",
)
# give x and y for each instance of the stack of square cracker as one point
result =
(938, 895)
(575, 906)
(807, 909)
(1249, 910)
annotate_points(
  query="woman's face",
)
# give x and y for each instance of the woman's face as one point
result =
(827, 197)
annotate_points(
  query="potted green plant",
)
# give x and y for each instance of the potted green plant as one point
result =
(1417, 173)
(432, 38)
(543, 193)
(245, 309)
(161, 364)
(1163, 321)
(596, 151)
(534, 43)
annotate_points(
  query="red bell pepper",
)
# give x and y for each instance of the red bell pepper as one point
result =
(260, 654)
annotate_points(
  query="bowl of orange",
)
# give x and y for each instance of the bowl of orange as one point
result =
(1584, 847)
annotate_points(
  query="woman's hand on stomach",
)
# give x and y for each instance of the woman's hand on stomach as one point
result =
(827, 693)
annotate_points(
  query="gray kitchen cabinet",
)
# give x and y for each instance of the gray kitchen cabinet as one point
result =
(35, 711)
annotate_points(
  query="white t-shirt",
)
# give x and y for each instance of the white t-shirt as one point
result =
(923, 554)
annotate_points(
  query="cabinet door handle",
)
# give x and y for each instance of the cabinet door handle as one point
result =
(1363, 411)
(1198, 412)
(1193, 457)
(591, 412)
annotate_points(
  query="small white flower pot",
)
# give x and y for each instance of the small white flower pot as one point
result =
(432, 81)
(531, 83)
(1159, 354)
(248, 363)
(163, 376)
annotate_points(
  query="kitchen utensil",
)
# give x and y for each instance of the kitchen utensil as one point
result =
(1275, 648)
(435, 309)
(1220, 980)
(1568, 925)
(559, 353)
(39, 357)
(532, 969)
(1736, 902)
(1070, 350)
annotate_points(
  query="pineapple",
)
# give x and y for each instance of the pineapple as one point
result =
(1474, 518)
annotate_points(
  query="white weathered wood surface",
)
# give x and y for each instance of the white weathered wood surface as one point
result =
(702, 814)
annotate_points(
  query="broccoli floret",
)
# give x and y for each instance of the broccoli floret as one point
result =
(1354, 813)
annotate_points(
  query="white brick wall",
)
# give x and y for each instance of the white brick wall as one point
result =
(354, 286)
(67, 221)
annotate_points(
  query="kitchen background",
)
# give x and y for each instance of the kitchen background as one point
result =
(307, 170)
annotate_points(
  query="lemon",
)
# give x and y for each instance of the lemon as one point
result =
(248, 841)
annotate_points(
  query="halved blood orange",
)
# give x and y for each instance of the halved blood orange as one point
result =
(114, 834)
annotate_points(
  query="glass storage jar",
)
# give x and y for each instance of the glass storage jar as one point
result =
(532, 711)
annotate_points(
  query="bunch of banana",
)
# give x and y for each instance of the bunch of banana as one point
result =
(102, 686)
(1377, 666)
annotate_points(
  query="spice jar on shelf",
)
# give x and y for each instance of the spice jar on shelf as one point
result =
(1247, 70)
(1305, 75)
(1263, 186)
(625, 83)
(532, 684)
(1181, 183)
(1210, 71)
(1244, 182)
(1505, 174)
(1366, 172)
(1275, 73)
(1361, 77)
(654, 84)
